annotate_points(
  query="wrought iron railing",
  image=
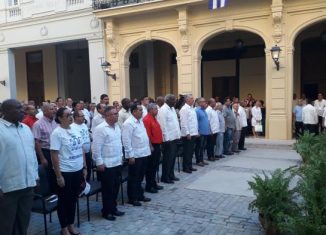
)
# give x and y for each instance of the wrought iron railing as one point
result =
(103, 4)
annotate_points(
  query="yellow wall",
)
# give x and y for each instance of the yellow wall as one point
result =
(49, 71)
(188, 25)
(252, 76)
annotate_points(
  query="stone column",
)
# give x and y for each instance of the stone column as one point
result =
(150, 69)
(8, 74)
(196, 79)
(98, 79)
(278, 90)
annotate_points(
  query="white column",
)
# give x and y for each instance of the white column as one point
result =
(8, 74)
(98, 79)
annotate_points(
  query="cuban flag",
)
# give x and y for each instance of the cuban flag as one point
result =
(214, 4)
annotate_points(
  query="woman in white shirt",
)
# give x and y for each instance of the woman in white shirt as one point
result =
(69, 166)
(256, 117)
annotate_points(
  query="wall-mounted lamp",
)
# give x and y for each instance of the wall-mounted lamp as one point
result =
(275, 51)
(106, 67)
(3, 82)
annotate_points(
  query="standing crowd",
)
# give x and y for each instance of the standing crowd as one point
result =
(309, 115)
(68, 140)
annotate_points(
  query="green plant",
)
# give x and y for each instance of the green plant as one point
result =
(312, 190)
(273, 197)
(305, 145)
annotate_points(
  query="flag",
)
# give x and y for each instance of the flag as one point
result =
(214, 4)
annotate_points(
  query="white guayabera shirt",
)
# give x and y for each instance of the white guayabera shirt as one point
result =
(167, 117)
(188, 121)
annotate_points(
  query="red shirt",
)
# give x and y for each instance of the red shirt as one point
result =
(29, 120)
(153, 129)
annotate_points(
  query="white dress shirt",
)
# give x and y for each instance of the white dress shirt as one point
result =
(243, 116)
(123, 116)
(144, 111)
(214, 123)
(87, 117)
(309, 115)
(107, 145)
(97, 120)
(18, 162)
(167, 117)
(188, 121)
(135, 139)
(320, 106)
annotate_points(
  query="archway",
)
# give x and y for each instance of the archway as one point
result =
(309, 76)
(153, 69)
(233, 64)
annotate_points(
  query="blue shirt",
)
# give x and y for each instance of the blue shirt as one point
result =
(298, 113)
(18, 162)
(203, 123)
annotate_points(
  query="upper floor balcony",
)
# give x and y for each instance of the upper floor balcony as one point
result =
(16, 10)
(104, 4)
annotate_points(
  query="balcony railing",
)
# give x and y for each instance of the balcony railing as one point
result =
(103, 4)
(74, 2)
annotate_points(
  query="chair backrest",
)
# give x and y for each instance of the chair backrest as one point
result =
(43, 188)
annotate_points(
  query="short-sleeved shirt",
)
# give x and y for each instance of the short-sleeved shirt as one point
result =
(69, 144)
(29, 120)
(298, 113)
(203, 123)
(83, 130)
(229, 117)
(42, 130)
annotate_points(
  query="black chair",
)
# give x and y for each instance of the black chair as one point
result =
(44, 203)
(123, 178)
(96, 188)
(179, 152)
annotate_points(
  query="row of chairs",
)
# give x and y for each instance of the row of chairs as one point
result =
(45, 203)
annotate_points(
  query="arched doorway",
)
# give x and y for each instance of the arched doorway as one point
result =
(309, 76)
(233, 64)
(153, 70)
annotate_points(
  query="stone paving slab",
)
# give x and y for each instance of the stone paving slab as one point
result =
(226, 182)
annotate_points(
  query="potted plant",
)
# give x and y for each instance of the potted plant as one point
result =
(274, 198)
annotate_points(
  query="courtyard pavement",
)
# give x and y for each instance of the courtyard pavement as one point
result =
(212, 200)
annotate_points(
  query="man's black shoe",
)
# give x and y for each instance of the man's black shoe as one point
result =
(236, 151)
(221, 156)
(158, 187)
(109, 217)
(134, 203)
(167, 181)
(187, 171)
(228, 153)
(242, 148)
(193, 169)
(175, 179)
(152, 190)
(118, 213)
(145, 199)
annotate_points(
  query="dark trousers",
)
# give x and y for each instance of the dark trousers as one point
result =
(320, 127)
(298, 129)
(88, 158)
(153, 163)
(110, 181)
(201, 142)
(67, 197)
(242, 138)
(50, 172)
(15, 211)
(136, 174)
(170, 151)
(228, 137)
(311, 128)
(188, 152)
(211, 141)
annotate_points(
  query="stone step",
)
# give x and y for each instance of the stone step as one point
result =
(269, 144)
